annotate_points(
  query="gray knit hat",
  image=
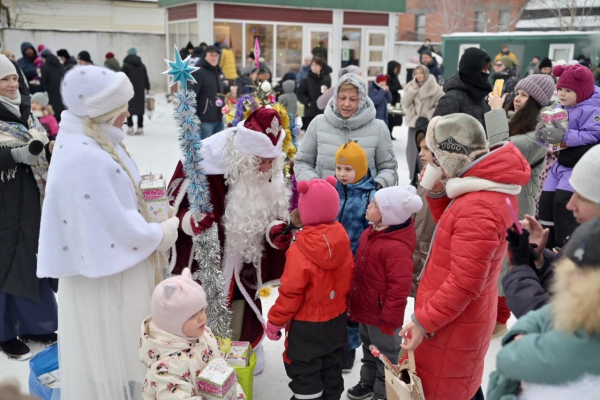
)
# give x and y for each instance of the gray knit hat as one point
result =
(540, 87)
(41, 98)
(456, 141)
(582, 248)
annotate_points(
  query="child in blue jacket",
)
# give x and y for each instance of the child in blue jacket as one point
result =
(356, 188)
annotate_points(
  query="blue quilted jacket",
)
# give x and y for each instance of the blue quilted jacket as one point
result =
(354, 199)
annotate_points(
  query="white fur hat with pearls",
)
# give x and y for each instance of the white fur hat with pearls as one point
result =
(92, 91)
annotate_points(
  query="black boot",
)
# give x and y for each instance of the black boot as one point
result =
(347, 360)
(360, 391)
(45, 340)
(16, 349)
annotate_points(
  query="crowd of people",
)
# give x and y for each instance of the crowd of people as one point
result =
(466, 244)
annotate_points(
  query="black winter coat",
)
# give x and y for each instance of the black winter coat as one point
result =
(510, 82)
(136, 71)
(208, 85)
(70, 63)
(435, 70)
(458, 99)
(20, 216)
(244, 85)
(394, 82)
(52, 74)
(527, 289)
(310, 90)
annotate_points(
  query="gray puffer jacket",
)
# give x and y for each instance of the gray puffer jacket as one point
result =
(327, 132)
(497, 130)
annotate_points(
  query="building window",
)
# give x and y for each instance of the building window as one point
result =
(503, 21)
(351, 47)
(480, 21)
(420, 26)
(289, 49)
(264, 33)
(231, 33)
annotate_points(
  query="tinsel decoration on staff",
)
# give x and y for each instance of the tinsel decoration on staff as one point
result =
(207, 252)
(190, 140)
(207, 249)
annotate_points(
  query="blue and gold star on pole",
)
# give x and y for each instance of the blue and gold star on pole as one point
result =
(180, 70)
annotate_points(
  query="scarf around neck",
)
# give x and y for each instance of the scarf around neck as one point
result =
(12, 104)
(456, 187)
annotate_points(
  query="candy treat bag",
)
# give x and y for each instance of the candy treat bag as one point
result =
(549, 117)
(154, 188)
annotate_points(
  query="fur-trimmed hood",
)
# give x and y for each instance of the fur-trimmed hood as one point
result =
(576, 300)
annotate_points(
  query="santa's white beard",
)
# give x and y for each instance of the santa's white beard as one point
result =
(254, 200)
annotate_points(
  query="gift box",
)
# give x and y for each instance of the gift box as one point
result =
(217, 381)
(548, 118)
(154, 188)
(239, 354)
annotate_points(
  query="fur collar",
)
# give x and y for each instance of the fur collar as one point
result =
(576, 304)
(458, 186)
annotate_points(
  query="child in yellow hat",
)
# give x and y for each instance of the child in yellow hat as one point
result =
(356, 188)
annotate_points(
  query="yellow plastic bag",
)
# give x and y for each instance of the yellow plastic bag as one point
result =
(245, 376)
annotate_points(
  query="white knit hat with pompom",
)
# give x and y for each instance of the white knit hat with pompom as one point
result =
(397, 204)
(92, 91)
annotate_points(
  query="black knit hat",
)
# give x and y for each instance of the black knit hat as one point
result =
(210, 49)
(84, 56)
(420, 126)
(582, 248)
(473, 60)
(546, 62)
(63, 53)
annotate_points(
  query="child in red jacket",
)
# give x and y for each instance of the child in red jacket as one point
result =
(312, 296)
(382, 282)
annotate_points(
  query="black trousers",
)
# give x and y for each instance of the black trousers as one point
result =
(555, 216)
(140, 121)
(313, 350)
(478, 395)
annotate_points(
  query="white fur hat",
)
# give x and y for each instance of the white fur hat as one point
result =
(456, 140)
(92, 91)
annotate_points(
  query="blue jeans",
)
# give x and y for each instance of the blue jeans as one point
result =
(207, 129)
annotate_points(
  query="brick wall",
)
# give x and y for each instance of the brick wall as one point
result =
(436, 26)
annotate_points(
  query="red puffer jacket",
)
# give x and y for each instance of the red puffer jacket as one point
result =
(382, 276)
(317, 275)
(457, 297)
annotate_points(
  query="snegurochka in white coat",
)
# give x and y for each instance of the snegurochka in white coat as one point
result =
(95, 237)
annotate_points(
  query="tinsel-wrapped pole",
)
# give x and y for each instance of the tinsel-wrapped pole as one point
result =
(207, 248)
(190, 143)
(190, 140)
(207, 252)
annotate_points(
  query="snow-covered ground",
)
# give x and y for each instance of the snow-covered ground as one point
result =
(157, 152)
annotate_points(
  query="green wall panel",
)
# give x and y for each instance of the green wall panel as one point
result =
(379, 5)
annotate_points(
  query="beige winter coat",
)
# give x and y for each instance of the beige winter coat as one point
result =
(174, 363)
(421, 102)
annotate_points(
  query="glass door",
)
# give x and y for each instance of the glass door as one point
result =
(318, 41)
(376, 52)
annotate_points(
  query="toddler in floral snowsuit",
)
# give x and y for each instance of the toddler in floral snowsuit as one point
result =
(176, 344)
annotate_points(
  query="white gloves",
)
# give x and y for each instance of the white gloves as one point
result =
(169, 228)
(23, 155)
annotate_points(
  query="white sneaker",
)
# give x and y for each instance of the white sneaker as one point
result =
(130, 131)
(140, 131)
(260, 359)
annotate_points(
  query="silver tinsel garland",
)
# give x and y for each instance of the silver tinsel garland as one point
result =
(207, 252)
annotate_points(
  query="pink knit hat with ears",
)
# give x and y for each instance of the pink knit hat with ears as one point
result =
(578, 78)
(319, 202)
(175, 300)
